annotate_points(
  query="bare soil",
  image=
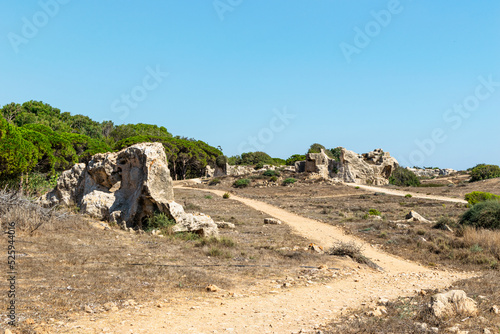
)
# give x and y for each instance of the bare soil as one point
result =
(268, 282)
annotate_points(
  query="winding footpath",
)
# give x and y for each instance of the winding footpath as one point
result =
(283, 310)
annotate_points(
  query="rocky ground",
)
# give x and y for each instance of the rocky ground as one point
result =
(97, 279)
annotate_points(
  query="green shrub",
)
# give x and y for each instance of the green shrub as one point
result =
(483, 172)
(271, 172)
(404, 177)
(408, 196)
(336, 153)
(241, 183)
(259, 165)
(158, 221)
(273, 179)
(374, 212)
(289, 180)
(480, 196)
(226, 195)
(214, 182)
(208, 197)
(483, 215)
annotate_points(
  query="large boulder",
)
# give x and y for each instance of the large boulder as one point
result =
(123, 187)
(372, 168)
(453, 303)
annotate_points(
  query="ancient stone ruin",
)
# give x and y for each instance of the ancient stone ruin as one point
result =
(125, 188)
(370, 168)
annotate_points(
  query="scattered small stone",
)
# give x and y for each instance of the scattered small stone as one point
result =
(272, 221)
(383, 301)
(88, 309)
(315, 248)
(495, 309)
(323, 267)
(109, 305)
(212, 288)
(225, 225)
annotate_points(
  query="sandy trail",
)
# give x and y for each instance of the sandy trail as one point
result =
(404, 193)
(285, 310)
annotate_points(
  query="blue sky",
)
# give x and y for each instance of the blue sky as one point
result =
(420, 79)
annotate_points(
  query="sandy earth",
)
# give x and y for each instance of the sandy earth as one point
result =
(404, 193)
(281, 310)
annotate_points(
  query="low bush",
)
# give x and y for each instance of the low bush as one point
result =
(271, 172)
(241, 183)
(483, 215)
(159, 221)
(483, 172)
(273, 179)
(374, 212)
(408, 196)
(214, 182)
(480, 196)
(226, 195)
(352, 250)
(289, 180)
(404, 177)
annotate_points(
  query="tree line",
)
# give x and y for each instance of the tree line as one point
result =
(38, 138)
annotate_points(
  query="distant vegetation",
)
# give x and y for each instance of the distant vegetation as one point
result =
(294, 158)
(480, 196)
(404, 178)
(483, 172)
(38, 138)
(483, 215)
(255, 158)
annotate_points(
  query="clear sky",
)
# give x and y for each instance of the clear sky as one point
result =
(420, 79)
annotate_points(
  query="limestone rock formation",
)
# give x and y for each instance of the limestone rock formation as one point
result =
(452, 303)
(370, 168)
(431, 173)
(125, 187)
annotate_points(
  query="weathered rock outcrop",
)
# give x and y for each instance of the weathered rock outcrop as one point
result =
(370, 168)
(452, 303)
(125, 187)
(431, 173)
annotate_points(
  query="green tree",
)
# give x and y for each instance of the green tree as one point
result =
(294, 158)
(17, 155)
(483, 172)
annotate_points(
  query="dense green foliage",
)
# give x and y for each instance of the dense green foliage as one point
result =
(480, 196)
(316, 148)
(404, 177)
(336, 152)
(483, 215)
(255, 158)
(294, 158)
(241, 183)
(271, 172)
(37, 138)
(483, 172)
(289, 180)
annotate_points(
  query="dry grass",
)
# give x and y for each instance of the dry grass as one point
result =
(483, 239)
(70, 262)
(405, 315)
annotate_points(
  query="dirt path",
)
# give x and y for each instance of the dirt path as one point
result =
(404, 193)
(284, 310)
